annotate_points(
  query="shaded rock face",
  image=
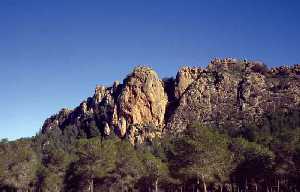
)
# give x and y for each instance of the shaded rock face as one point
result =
(229, 92)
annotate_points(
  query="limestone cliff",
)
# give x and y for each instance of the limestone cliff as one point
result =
(123, 108)
(229, 92)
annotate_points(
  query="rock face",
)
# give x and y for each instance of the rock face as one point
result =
(232, 93)
(142, 99)
(185, 77)
(228, 93)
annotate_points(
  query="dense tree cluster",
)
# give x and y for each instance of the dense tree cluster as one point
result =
(200, 158)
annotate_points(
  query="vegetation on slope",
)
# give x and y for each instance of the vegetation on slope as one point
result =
(198, 159)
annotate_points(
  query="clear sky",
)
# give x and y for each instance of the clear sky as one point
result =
(54, 52)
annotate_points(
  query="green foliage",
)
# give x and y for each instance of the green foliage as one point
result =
(156, 170)
(253, 160)
(60, 161)
(201, 151)
(244, 149)
(96, 157)
(129, 168)
(18, 164)
(56, 159)
(49, 181)
(51, 174)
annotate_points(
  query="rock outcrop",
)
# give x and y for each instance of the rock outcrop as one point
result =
(232, 93)
(228, 93)
(140, 101)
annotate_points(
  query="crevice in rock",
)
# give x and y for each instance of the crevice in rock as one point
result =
(169, 88)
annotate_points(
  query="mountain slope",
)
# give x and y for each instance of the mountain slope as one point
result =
(227, 93)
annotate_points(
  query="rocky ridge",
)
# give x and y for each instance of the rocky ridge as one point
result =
(227, 93)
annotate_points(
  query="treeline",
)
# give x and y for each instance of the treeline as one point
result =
(264, 159)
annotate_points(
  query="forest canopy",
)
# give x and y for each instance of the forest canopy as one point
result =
(201, 158)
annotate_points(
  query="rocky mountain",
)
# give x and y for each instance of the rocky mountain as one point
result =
(232, 126)
(227, 93)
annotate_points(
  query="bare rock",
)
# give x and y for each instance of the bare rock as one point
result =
(106, 129)
(142, 99)
(232, 92)
(185, 76)
(228, 93)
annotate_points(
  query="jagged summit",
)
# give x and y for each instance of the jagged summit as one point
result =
(227, 92)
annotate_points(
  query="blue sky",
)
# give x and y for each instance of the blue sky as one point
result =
(54, 52)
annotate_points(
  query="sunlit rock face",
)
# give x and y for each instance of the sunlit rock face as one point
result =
(184, 78)
(142, 99)
(227, 93)
(232, 93)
